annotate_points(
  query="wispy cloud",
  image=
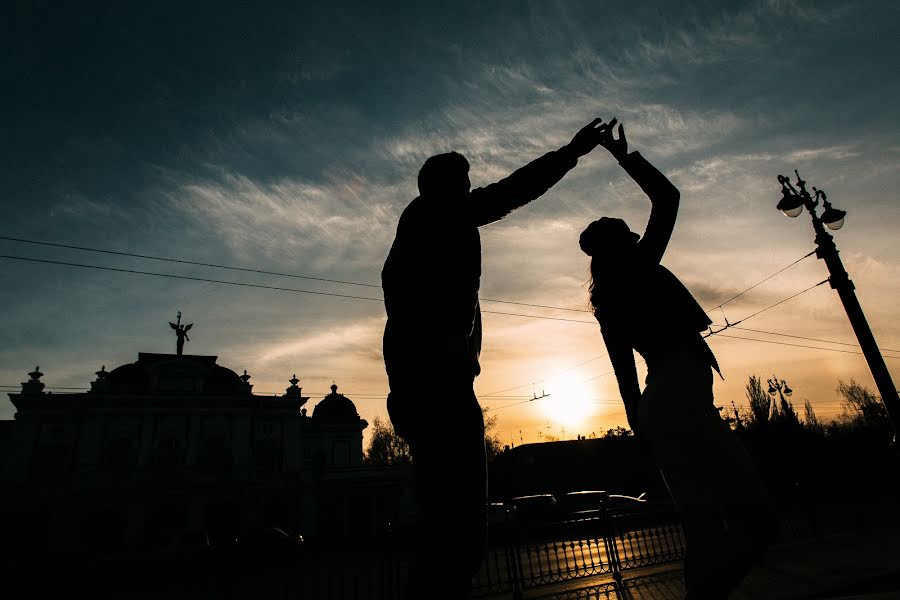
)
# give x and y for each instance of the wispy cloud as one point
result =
(342, 225)
(344, 341)
(841, 152)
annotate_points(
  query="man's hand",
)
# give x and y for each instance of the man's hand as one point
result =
(587, 138)
(617, 147)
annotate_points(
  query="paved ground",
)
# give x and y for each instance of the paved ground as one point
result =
(858, 566)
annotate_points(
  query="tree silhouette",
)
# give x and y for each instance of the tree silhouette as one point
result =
(863, 412)
(760, 404)
(492, 443)
(618, 432)
(385, 446)
(811, 421)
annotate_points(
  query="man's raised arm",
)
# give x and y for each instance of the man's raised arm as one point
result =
(495, 201)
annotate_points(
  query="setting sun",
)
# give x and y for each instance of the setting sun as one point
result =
(569, 402)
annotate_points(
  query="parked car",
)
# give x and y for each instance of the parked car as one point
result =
(623, 502)
(583, 502)
(535, 507)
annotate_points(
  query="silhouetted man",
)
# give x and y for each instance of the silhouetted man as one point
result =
(432, 341)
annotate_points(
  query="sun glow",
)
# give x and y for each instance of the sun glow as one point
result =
(569, 402)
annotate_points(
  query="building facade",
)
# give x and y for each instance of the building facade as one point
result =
(172, 449)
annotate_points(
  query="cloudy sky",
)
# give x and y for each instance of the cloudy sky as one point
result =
(287, 138)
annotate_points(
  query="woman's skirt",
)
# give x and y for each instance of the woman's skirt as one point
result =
(704, 464)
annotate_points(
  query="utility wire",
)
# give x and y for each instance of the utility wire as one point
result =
(171, 276)
(300, 291)
(295, 290)
(824, 281)
(735, 297)
(271, 287)
(339, 281)
(181, 261)
(737, 337)
(718, 332)
(800, 337)
(708, 311)
(249, 270)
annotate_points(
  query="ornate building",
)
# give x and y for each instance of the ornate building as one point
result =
(177, 447)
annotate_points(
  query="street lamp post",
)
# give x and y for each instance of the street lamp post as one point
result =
(792, 203)
(782, 388)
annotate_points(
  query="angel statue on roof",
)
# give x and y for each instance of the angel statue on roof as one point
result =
(181, 332)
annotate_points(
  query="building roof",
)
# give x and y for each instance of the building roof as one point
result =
(170, 373)
(336, 408)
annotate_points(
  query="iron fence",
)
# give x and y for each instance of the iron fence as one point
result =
(528, 555)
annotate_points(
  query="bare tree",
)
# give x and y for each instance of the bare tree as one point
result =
(862, 409)
(492, 443)
(760, 403)
(385, 446)
(810, 419)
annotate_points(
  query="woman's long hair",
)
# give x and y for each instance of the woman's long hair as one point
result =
(605, 241)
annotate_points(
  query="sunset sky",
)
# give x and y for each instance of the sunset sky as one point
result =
(287, 137)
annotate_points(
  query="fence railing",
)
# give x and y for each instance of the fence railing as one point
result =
(523, 556)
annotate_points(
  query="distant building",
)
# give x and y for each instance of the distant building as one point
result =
(619, 465)
(173, 447)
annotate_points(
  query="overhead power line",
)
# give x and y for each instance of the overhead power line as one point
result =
(180, 261)
(349, 296)
(800, 337)
(188, 277)
(267, 287)
(761, 281)
(737, 337)
(249, 270)
(338, 281)
(718, 332)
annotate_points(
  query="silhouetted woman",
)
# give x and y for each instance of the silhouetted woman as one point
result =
(642, 306)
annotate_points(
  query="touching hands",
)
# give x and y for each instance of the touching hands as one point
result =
(617, 147)
(597, 132)
(587, 138)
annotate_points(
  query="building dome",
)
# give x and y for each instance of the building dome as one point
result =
(132, 377)
(167, 373)
(336, 407)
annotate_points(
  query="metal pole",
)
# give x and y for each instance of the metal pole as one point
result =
(840, 281)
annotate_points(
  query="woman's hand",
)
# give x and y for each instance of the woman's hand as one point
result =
(617, 147)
